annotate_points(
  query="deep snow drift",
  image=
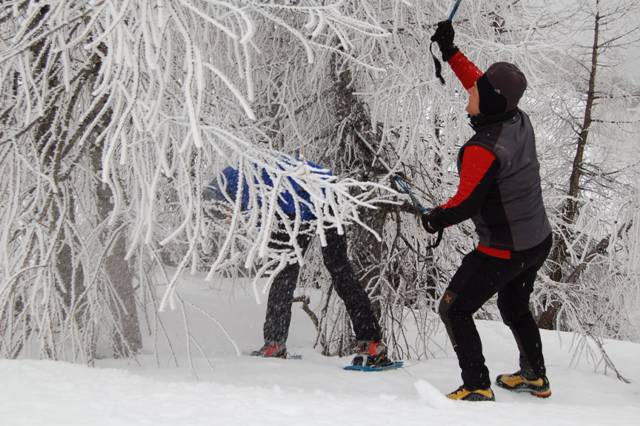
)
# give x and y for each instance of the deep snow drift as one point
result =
(242, 390)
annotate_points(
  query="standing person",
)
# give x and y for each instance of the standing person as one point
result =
(370, 349)
(499, 190)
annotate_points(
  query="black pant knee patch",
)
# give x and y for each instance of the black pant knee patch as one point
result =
(446, 302)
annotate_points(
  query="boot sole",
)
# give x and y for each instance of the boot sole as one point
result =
(478, 398)
(536, 393)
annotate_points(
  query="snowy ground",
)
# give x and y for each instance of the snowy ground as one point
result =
(313, 391)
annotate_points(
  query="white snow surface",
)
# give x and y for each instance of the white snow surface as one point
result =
(243, 390)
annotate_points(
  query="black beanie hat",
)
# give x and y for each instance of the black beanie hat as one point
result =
(500, 88)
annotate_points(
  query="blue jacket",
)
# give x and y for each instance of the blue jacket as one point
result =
(285, 199)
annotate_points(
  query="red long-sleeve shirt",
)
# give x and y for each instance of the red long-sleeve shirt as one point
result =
(477, 172)
(466, 71)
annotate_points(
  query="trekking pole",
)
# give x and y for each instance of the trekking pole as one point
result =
(401, 183)
(436, 62)
(404, 187)
(454, 9)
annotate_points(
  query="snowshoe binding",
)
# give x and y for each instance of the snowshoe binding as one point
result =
(372, 356)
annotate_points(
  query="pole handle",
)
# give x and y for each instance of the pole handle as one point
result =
(404, 187)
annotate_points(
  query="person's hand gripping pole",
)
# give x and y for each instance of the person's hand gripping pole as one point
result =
(444, 38)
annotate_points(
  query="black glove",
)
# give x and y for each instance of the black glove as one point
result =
(444, 37)
(429, 221)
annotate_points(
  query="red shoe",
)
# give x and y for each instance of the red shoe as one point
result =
(271, 350)
(371, 353)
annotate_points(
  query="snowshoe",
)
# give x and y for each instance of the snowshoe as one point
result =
(358, 365)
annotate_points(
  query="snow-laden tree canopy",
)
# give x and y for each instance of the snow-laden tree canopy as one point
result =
(116, 115)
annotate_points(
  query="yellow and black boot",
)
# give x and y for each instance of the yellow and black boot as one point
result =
(518, 382)
(464, 394)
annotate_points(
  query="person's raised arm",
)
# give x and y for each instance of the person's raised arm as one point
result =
(466, 71)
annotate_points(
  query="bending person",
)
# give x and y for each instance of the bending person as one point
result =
(370, 349)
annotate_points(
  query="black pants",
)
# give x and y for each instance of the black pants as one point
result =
(276, 325)
(479, 277)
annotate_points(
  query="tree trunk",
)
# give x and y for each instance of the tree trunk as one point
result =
(571, 207)
(127, 338)
(58, 213)
(354, 121)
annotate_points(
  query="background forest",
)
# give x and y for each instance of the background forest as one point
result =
(115, 114)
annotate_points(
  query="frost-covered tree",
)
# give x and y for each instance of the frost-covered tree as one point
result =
(114, 114)
(420, 124)
(595, 128)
